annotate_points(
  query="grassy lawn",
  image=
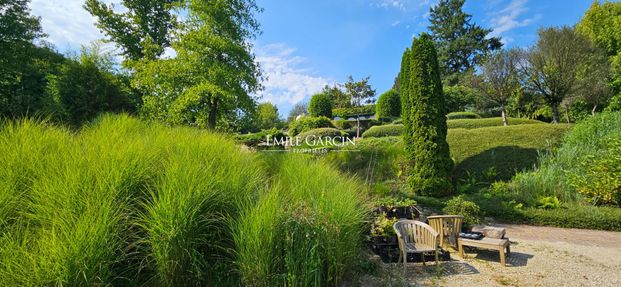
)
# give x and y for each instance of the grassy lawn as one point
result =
(501, 150)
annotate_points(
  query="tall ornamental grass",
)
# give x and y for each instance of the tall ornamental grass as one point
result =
(127, 202)
(588, 139)
(305, 231)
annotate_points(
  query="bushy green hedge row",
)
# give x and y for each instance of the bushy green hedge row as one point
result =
(462, 115)
(254, 139)
(350, 112)
(308, 123)
(384, 131)
(322, 132)
(488, 122)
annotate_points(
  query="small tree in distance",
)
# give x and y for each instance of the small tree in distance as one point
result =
(498, 79)
(424, 119)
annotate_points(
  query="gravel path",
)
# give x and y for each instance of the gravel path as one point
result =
(540, 256)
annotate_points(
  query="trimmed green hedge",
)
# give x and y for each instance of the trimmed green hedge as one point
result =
(322, 132)
(384, 131)
(350, 112)
(488, 122)
(462, 115)
(254, 139)
(309, 123)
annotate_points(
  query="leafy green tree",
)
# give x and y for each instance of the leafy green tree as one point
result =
(360, 92)
(210, 81)
(601, 25)
(460, 97)
(340, 99)
(424, 120)
(268, 117)
(142, 29)
(297, 110)
(551, 68)
(461, 44)
(24, 67)
(388, 105)
(88, 86)
(320, 106)
(498, 79)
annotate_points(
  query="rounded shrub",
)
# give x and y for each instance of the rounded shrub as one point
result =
(323, 132)
(468, 209)
(343, 124)
(388, 105)
(309, 123)
(463, 115)
(320, 106)
(384, 131)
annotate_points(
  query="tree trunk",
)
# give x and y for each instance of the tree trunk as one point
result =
(555, 113)
(213, 112)
(593, 110)
(358, 126)
(504, 115)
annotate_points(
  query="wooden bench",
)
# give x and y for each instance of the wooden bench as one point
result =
(486, 243)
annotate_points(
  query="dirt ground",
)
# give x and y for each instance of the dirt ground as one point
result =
(540, 256)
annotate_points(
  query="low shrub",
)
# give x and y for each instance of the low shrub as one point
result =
(254, 139)
(462, 115)
(487, 122)
(384, 131)
(345, 113)
(343, 124)
(325, 135)
(309, 123)
(468, 209)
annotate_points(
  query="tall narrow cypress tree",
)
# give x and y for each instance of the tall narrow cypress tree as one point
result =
(424, 118)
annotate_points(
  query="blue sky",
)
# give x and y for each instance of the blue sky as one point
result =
(307, 44)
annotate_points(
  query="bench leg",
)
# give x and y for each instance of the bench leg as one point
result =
(501, 251)
(422, 256)
(508, 249)
(461, 250)
(405, 261)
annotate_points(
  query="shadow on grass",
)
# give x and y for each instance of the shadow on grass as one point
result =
(506, 160)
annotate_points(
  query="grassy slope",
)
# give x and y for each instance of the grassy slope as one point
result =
(507, 149)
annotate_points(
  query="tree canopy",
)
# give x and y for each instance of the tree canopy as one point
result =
(461, 43)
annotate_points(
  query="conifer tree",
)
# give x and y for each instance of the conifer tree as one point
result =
(424, 118)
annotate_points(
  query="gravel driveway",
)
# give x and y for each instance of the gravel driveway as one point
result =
(540, 256)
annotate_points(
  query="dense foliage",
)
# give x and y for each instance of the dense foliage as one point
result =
(388, 105)
(584, 169)
(321, 132)
(468, 209)
(353, 111)
(267, 116)
(461, 44)
(320, 105)
(424, 118)
(308, 123)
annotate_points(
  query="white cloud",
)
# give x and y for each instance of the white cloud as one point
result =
(66, 22)
(509, 18)
(403, 5)
(287, 81)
